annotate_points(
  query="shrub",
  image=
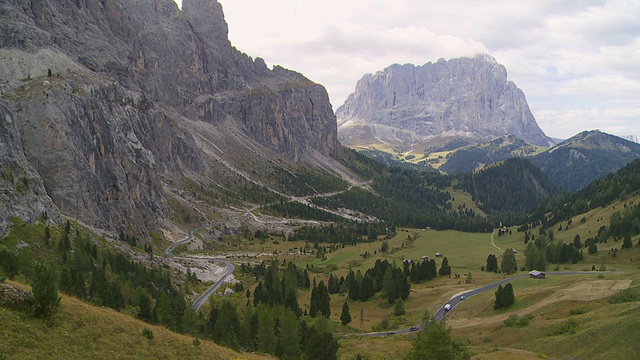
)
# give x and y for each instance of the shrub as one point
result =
(524, 321)
(511, 321)
(564, 327)
(148, 333)
(578, 311)
(624, 296)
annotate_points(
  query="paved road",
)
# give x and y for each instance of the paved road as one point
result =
(197, 303)
(456, 299)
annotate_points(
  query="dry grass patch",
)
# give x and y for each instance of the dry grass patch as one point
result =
(83, 331)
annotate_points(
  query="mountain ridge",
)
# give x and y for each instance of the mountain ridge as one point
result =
(587, 156)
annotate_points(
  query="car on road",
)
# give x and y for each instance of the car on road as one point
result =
(462, 297)
(447, 307)
(414, 328)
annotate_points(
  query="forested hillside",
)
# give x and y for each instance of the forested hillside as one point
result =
(509, 190)
(476, 156)
(599, 193)
(586, 157)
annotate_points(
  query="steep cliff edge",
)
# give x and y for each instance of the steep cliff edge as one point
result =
(112, 100)
(404, 105)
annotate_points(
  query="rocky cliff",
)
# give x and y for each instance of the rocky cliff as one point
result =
(465, 97)
(106, 102)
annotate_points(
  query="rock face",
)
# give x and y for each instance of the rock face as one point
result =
(104, 97)
(465, 97)
(22, 193)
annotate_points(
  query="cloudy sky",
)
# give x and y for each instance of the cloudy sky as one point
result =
(577, 61)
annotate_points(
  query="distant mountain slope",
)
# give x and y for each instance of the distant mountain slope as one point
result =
(476, 156)
(586, 157)
(509, 189)
(405, 105)
(621, 185)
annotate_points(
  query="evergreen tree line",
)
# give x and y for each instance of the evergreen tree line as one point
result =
(625, 225)
(386, 278)
(407, 210)
(507, 192)
(281, 289)
(383, 277)
(542, 251)
(343, 232)
(307, 181)
(271, 329)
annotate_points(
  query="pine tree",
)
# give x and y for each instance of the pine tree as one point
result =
(314, 305)
(44, 288)
(445, 269)
(345, 316)
(325, 300)
(388, 286)
(492, 263)
(498, 302)
(508, 298)
(532, 257)
(508, 264)
(399, 309)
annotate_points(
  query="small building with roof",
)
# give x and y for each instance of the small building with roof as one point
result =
(536, 274)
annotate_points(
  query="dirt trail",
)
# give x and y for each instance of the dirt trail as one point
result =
(493, 243)
(583, 291)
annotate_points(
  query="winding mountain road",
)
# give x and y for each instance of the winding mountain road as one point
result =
(456, 299)
(230, 268)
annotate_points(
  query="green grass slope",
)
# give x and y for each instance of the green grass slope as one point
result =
(83, 331)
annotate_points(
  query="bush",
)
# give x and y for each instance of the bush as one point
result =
(524, 321)
(564, 327)
(624, 296)
(514, 320)
(578, 311)
(148, 333)
(196, 341)
(511, 321)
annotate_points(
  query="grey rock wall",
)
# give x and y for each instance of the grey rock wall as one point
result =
(468, 97)
(129, 77)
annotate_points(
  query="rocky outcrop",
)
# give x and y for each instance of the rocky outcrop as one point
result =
(467, 97)
(22, 193)
(105, 97)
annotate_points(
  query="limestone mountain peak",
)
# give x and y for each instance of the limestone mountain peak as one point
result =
(463, 97)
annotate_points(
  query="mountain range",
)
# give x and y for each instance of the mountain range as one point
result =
(459, 115)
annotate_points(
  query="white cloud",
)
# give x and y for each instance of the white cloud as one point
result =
(578, 61)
